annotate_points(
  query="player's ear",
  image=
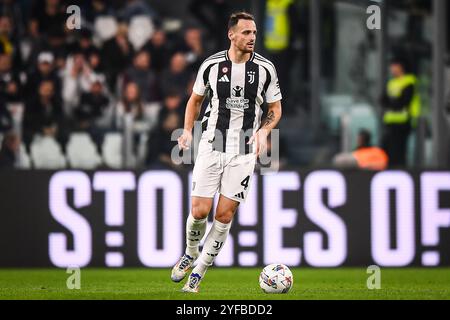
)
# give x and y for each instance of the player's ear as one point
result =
(230, 34)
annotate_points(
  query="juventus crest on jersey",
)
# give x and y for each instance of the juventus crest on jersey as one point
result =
(237, 92)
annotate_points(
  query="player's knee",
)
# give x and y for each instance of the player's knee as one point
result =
(225, 216)
(200, 210)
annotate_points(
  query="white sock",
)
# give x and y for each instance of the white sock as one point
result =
(195, 230)
(213, 244)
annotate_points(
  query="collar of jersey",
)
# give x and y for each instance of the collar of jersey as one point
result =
(228, 58)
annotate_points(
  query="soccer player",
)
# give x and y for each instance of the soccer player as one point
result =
(237, 80)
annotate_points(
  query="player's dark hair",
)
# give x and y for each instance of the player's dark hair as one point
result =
(236, 16)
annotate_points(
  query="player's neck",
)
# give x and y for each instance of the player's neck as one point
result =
(238, 56)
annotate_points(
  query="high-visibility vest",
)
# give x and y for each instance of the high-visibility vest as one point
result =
(371, 158)
(277, 30)
(7, 45)
(410, 112)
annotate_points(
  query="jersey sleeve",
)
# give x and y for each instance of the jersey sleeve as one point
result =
(201, 81)
(273, 92)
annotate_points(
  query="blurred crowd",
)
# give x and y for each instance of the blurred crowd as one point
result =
(122, 67)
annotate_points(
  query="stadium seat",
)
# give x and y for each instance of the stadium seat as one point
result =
(46, 153)
(82, 152)
(140, 31)
(151, 111)
(105, 28)
(429, 155)
(411, 145)
(333, 107)
(112, 150)
(142, 149)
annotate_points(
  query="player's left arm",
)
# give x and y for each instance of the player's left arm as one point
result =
(273, 117)
(270, 122)
(273, 98)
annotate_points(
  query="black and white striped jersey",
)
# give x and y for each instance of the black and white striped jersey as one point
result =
(237, 91)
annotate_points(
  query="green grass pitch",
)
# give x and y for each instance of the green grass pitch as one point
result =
(224, 283)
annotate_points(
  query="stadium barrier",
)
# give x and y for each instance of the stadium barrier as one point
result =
(318, 218)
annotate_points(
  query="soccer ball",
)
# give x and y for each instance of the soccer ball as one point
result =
(276, 278)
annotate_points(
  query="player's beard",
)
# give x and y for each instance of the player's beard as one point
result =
(246, 49)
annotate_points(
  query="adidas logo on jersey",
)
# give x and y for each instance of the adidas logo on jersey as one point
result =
(224, 78)
(240, 195)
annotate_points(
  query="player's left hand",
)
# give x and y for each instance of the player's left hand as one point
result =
(260, 141)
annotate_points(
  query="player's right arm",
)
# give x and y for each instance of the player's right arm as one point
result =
(194, 105)
(193, 109)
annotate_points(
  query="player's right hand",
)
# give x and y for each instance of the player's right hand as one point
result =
(184, 141)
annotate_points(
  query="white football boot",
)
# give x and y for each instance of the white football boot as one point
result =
(193, 283)
(183, 265)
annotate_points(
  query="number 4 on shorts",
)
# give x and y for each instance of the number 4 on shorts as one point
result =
(244, 182)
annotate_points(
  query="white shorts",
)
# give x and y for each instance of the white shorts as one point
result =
(230, 174)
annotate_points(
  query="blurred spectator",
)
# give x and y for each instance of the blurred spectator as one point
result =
(160, 144)
(37, 46)
(9, 150)
(12, 9)
(141, 73)
(92, 104)
(177, 76)
(9, 42)
(43, 113)
(170, 118)
(136, 8)
(173, 102)
(192, 47)
(133, 104)
(47, 29)
(78, 77)
(402, 107)
(116, 54)
(6, 121)
(95, 66)
(10, 85)
(94, 62)
(60, 64)
(72, 81)
(45, 71)
(85, 42)
(159, 50)
(48, 18)
(365, 156)
(213, 15)
(96, 8)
